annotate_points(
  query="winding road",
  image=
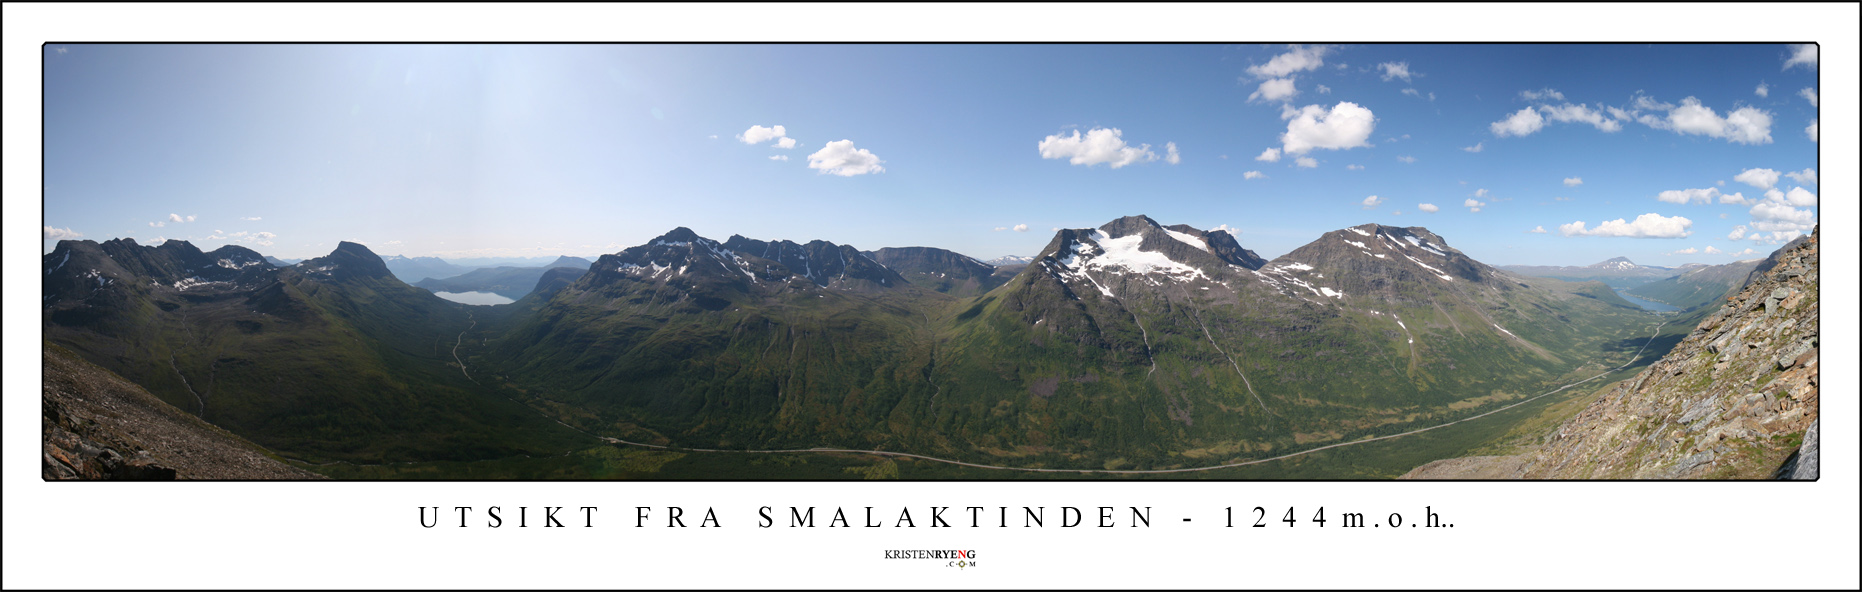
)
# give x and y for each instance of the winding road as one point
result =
(461, 339)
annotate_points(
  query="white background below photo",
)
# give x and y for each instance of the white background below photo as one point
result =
(368, 535)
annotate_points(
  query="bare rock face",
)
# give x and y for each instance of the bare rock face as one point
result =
(1736, 399)
(96, 425)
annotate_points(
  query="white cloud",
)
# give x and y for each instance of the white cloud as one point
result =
(1568, 113)
(1323, 89)
(1394, 70)
(1021, 228)
(1686, 251)
(1743, 253)
(1473, 205)
(758, 134)
(1430, 208)
(1354, 167)
(1253, 175)
(1802, 55)
(1812, 130)
(1762, 90)
(841, 158)
(1738, 232)
(999, 228)
(1684, 196)
(1574, 181)
(1276, 89)
(394, 242)
(1407, 159)
(1232, 231)
(1745, 125)
(1297, 59)
(175, 218)
(1372, 202)
(61, 234)
(1170, 153)
(1807, 176)
(1711, 251)
(1760, 178)
(1541, 94)
(1561, 199)
(780, 157)
(1537, 230)
(1736, 199)
(157, 224)
(1475, 148)
(1649, 225)
(1480, 193)
(1799, 197)
(1269, 155)
(1768, 211)
(713, 136)
(1306, 162)
(785, 143)
(1783, 236)
(1522, 123)
(1809, 94)
(252, 219)
(1412, 92)
(1100, 145)
(1345, 126)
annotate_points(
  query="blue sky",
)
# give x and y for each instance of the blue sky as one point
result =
(512, 150)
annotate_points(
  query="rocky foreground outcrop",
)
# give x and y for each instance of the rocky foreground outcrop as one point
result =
(1736, 399)
(96, 425)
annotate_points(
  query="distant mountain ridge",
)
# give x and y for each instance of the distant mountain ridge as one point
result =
(1010, 260)
(1617, 272)
(415, 269)
(1699, 285)
(509, 282)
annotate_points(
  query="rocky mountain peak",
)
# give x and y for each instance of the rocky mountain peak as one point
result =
(348, 260)
(1129, 225)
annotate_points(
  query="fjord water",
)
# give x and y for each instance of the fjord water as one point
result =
(479, 298)
(1646, 304)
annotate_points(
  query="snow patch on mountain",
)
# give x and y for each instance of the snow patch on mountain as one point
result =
(1189, 239)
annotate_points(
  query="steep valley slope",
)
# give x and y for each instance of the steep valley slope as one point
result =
(1737, 398)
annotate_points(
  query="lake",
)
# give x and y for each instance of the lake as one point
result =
(479, 298)
(1646, 304)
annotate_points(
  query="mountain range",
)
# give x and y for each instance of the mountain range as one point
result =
(1133, 345)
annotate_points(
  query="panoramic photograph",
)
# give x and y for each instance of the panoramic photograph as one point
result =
(973, 262)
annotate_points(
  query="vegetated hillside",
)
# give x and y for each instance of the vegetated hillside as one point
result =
(414, 269)
(940, 270)
(734, 344)
(509, 282)
(330, 359)
(1738, 398)
(1130, 345)
(96, 425)
(1699, 286)
(1617, 272)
